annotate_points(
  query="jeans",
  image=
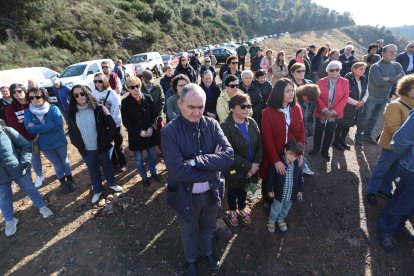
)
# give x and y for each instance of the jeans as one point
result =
(152, 159)
(236, 197)
(118, 156)
(384, 172)
(6, 195)
(37, 164)
(304, 163)
(320, 127)
(279, 210)
(59, 159)
(94, 161)
(203, 222)
(373, 109)
(401, 206)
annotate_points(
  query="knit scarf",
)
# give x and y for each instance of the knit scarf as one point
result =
(41, 111)
(83, 107)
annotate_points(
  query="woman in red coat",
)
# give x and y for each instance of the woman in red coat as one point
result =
(282, 121)
(329, 107)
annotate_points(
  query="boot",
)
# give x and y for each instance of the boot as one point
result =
(344, 144)
(64, 185)
(337, 145)
(70, 183)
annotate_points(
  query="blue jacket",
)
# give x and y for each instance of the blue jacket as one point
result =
(51, 133)
(403, 143)
(14, 163)
(63, 97)
(182, 140)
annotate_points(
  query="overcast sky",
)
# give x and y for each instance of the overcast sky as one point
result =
(368, 12)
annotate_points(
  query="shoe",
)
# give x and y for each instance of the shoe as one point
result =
(313, 151)
(11, 227)
(326, 156)
(64, 187)
(282, 226)
(370, 140)
(388, 243)
(71, 185)
(308, 171)
(338, 146)
(270, 227)
(234, 221)
(39, 181)
(371, 198)
(386, 195)
(157, 178)
(122, 169)
(46, 212)
(213, 261)
(191, 269)
(406, 232)
(146, 182)
(345, 145)
(116, 188)
(96, 197)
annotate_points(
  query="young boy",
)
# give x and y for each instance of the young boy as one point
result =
(284, 189)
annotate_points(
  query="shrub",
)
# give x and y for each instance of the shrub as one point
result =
(162, 13)
(66, 40)
(146, 15)
(187, 15)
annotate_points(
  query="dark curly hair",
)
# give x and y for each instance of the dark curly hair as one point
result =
(40, 90)
(73, 106)
(176, 79)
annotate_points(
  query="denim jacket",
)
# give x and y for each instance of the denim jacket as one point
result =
(403, 143)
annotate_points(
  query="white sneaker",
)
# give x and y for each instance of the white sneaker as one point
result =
(96, 197)
(46, 212)
(11, 227)
(308, 171)
(39, 181)
(117, 188)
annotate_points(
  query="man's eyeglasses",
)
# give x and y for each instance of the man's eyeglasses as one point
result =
(97, 81)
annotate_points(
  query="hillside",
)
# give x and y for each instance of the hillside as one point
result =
(406, 31)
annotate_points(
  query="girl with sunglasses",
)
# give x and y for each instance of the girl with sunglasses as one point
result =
(45, 120)
(15, 119)
(92, 131)
(243, 134)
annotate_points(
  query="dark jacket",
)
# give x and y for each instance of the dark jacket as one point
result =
(275, 182)
(257, 101)
(226, 73)
(165, 83)
(15, 155)
(236, 177)
(242, 51)
(188, 71)
(63, 97)
(105, 128)
(3, 105)
(210, 68)
(195, 63)
(308, 73)
(346, 64)
(211, 99)
(157, 95)
(404, 60)
(182, 140)
(265, 90)
(137, 116)
(316, 62)
(222, 70)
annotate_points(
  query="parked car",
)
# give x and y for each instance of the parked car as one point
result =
(147, 61)
(42, 75)
(169, 60)
(180, 54)
(222, 54)
(83, 72)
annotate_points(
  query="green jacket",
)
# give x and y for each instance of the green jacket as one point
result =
(253, 50)
(241, 51)
(157, 96)
(236, 177)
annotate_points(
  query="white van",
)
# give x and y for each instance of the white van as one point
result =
(41, 75)
(83, 72)
(147, 61)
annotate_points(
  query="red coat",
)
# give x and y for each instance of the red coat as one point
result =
(274, 134)
(340, 101)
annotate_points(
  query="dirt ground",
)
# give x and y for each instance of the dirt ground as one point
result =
(333, 232)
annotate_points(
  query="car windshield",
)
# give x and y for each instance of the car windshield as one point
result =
(164, 58)
(73, 70)
(179, 54)
(138, 59)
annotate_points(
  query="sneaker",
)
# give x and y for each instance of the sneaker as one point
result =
(39, 181)
(371, 198)
(116, 188)
(46, 212)
(191, 269)
(71, 185)
(282, 226)
(213, 261)
(146, 182)
(96, 197)
(308, 171)
(11, 227)
(157, 178)
(270, 227)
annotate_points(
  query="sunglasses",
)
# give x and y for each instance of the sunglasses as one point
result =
(97, 81)
(35, 97)
(334, 70)
(83, 94)
(244, 106)
(207, 61)
(233, 85)
(300, 71)
(105, 67)
(17, 91)
(133, 87)
(234, 62)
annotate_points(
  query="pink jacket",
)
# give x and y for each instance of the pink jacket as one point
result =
(267, 62)
(340, 101)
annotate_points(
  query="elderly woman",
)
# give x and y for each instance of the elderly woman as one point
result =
(358, 95)
(232, 88)
(45, 120)
(301, 57)
(279, 68)
(329, 107)
(139, 116)
(15, 155)
(297, 72)
(232, 64)
(15, 119)
(263, 84)
(244, 136)
(212, 93)
(177, 85)
(185, 68)
(267, 64)
(255, 96)
(92, 130)
(282, 121)
(396, 113)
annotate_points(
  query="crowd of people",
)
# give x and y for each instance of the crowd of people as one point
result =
(253, 126)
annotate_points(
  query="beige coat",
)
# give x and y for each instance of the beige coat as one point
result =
(223, 109)
(279, 73)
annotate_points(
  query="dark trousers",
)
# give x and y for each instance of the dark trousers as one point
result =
(242, 61)
(236, 198)
(322, 126)
(401, 207)
(340, 133)
(118, 156)
(203, 222)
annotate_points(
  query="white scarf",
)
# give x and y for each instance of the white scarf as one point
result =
(40, 111)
